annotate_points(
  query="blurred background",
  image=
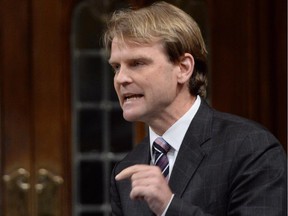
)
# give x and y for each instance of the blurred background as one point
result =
(62, 129)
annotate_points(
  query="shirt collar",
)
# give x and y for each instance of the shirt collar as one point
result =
(175, 134)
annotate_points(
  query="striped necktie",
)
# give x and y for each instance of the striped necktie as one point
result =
(160, 149)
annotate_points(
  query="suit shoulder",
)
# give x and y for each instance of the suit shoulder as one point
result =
(238, 128)
(230, 121)
(221, 123)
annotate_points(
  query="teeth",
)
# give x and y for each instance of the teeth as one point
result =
(132, 97)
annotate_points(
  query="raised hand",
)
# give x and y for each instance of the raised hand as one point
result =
(149, 184)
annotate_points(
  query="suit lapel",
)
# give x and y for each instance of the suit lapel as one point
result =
(190, 154)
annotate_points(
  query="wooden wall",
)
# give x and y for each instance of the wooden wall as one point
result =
(248, 61)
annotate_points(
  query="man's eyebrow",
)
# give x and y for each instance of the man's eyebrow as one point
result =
(142, 58)
(136, 58)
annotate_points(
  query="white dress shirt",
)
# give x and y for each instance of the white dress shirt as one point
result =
(174, 136)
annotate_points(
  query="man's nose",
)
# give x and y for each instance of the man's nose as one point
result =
(123, 76)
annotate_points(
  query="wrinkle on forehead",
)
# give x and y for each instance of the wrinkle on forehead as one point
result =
(122, 43)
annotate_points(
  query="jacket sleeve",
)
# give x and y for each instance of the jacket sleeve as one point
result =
(180, 207)
(259, 178)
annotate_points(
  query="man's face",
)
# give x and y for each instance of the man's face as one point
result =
(145, 80)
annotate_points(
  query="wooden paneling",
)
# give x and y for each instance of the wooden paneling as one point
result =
(35, 104)
(51, 93)
(248, 61)
(15, 100)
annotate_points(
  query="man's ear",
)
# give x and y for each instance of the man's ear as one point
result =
(186, 65)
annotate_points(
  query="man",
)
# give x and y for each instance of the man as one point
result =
(216, 164)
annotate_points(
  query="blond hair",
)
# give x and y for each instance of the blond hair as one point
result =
(178, 32)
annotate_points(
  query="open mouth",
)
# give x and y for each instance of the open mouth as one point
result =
(132, 97)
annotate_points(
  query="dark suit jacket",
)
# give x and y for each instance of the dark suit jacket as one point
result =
(226, 165)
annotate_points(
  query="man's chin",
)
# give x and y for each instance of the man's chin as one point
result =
(130, 118)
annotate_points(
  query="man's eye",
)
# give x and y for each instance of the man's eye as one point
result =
(137, 63)
(115, 68)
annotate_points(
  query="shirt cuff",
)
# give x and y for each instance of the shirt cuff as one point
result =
(164, 213)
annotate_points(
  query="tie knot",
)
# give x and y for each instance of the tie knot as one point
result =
(161, 145)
